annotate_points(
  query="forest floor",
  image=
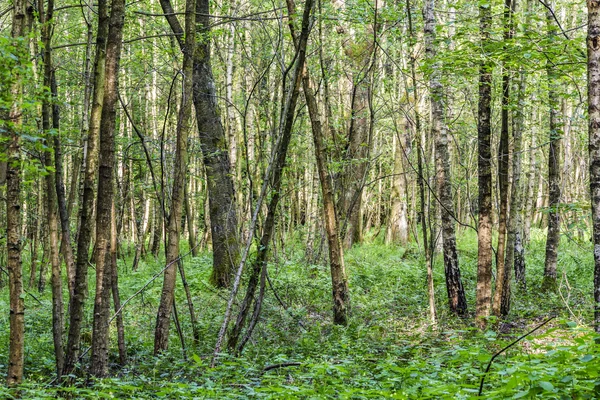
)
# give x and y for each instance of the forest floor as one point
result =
(389, 350)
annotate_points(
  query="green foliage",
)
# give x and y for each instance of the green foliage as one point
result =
(387, 351)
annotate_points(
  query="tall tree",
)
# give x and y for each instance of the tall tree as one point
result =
(16, 351)
(554, 138)
(100, 328)
(339, 280)
(221, 191)
(484, 167)
(161, 334)
(593, 52)
(503, 162)
(46, 20)
(86, 210)
(456, 293)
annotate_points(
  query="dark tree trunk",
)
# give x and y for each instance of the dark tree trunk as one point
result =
(484, 138)
(503, 166)
(100, 329)
(163, 319)
(553, 237)
(89, 189)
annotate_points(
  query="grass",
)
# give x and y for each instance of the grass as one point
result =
(389, 350)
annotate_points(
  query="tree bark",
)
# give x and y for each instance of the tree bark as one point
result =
(503, 165)
(339, 280)
(16, 344)
(163, 318)
(484, 136)
(51, 111)
(553, 237)
(456, 293)
(514, 248)
(100, 328)
(221, 192)
(593, 52)
(89, 189)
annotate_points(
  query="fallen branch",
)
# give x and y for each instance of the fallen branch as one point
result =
(281, 365)
(508, 347)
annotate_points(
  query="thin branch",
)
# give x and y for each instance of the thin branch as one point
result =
(508, 347)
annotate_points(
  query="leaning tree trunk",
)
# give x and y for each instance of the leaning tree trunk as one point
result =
(89, 189)
(339, 280)
(163, 319)
(260, 263)
(456, 293)
(100, 330)
(484, 167)
(16, 350)
(593, 51)
(221, 192)
(553, 236)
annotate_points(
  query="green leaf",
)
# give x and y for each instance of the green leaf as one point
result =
(546, 386)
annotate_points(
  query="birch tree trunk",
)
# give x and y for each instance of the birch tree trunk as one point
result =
(593, 52)
(484, 167)
(456, 293)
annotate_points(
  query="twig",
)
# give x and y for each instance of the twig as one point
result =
(508, 347)
(281, 365)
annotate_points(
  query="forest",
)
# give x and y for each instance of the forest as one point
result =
(299, 199)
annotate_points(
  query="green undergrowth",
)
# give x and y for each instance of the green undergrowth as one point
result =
(389, 349)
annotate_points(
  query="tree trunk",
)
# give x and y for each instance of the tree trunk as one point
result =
(484, 137)
(100, 330)
(593, 51)
(514, 248)
(13, 208)
(89, 189)
(163, 319)
(503, 165)
(46, 21)
(553, 237)
(274, 178)
(115, 287)
(456, 293)
(339, 280)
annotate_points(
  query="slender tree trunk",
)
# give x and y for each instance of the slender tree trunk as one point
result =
(593, 51)
(190, 222)
(16, 344)
(397, 226)
(161, 333)
(339, 280)
(456, 293)
(553, 237)
(46, 21)
(503, 165)
(420, 145)
(89, 189)
(278, 164)
(100, 329)
(484, 136)
(115, 287)
(514, 247)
